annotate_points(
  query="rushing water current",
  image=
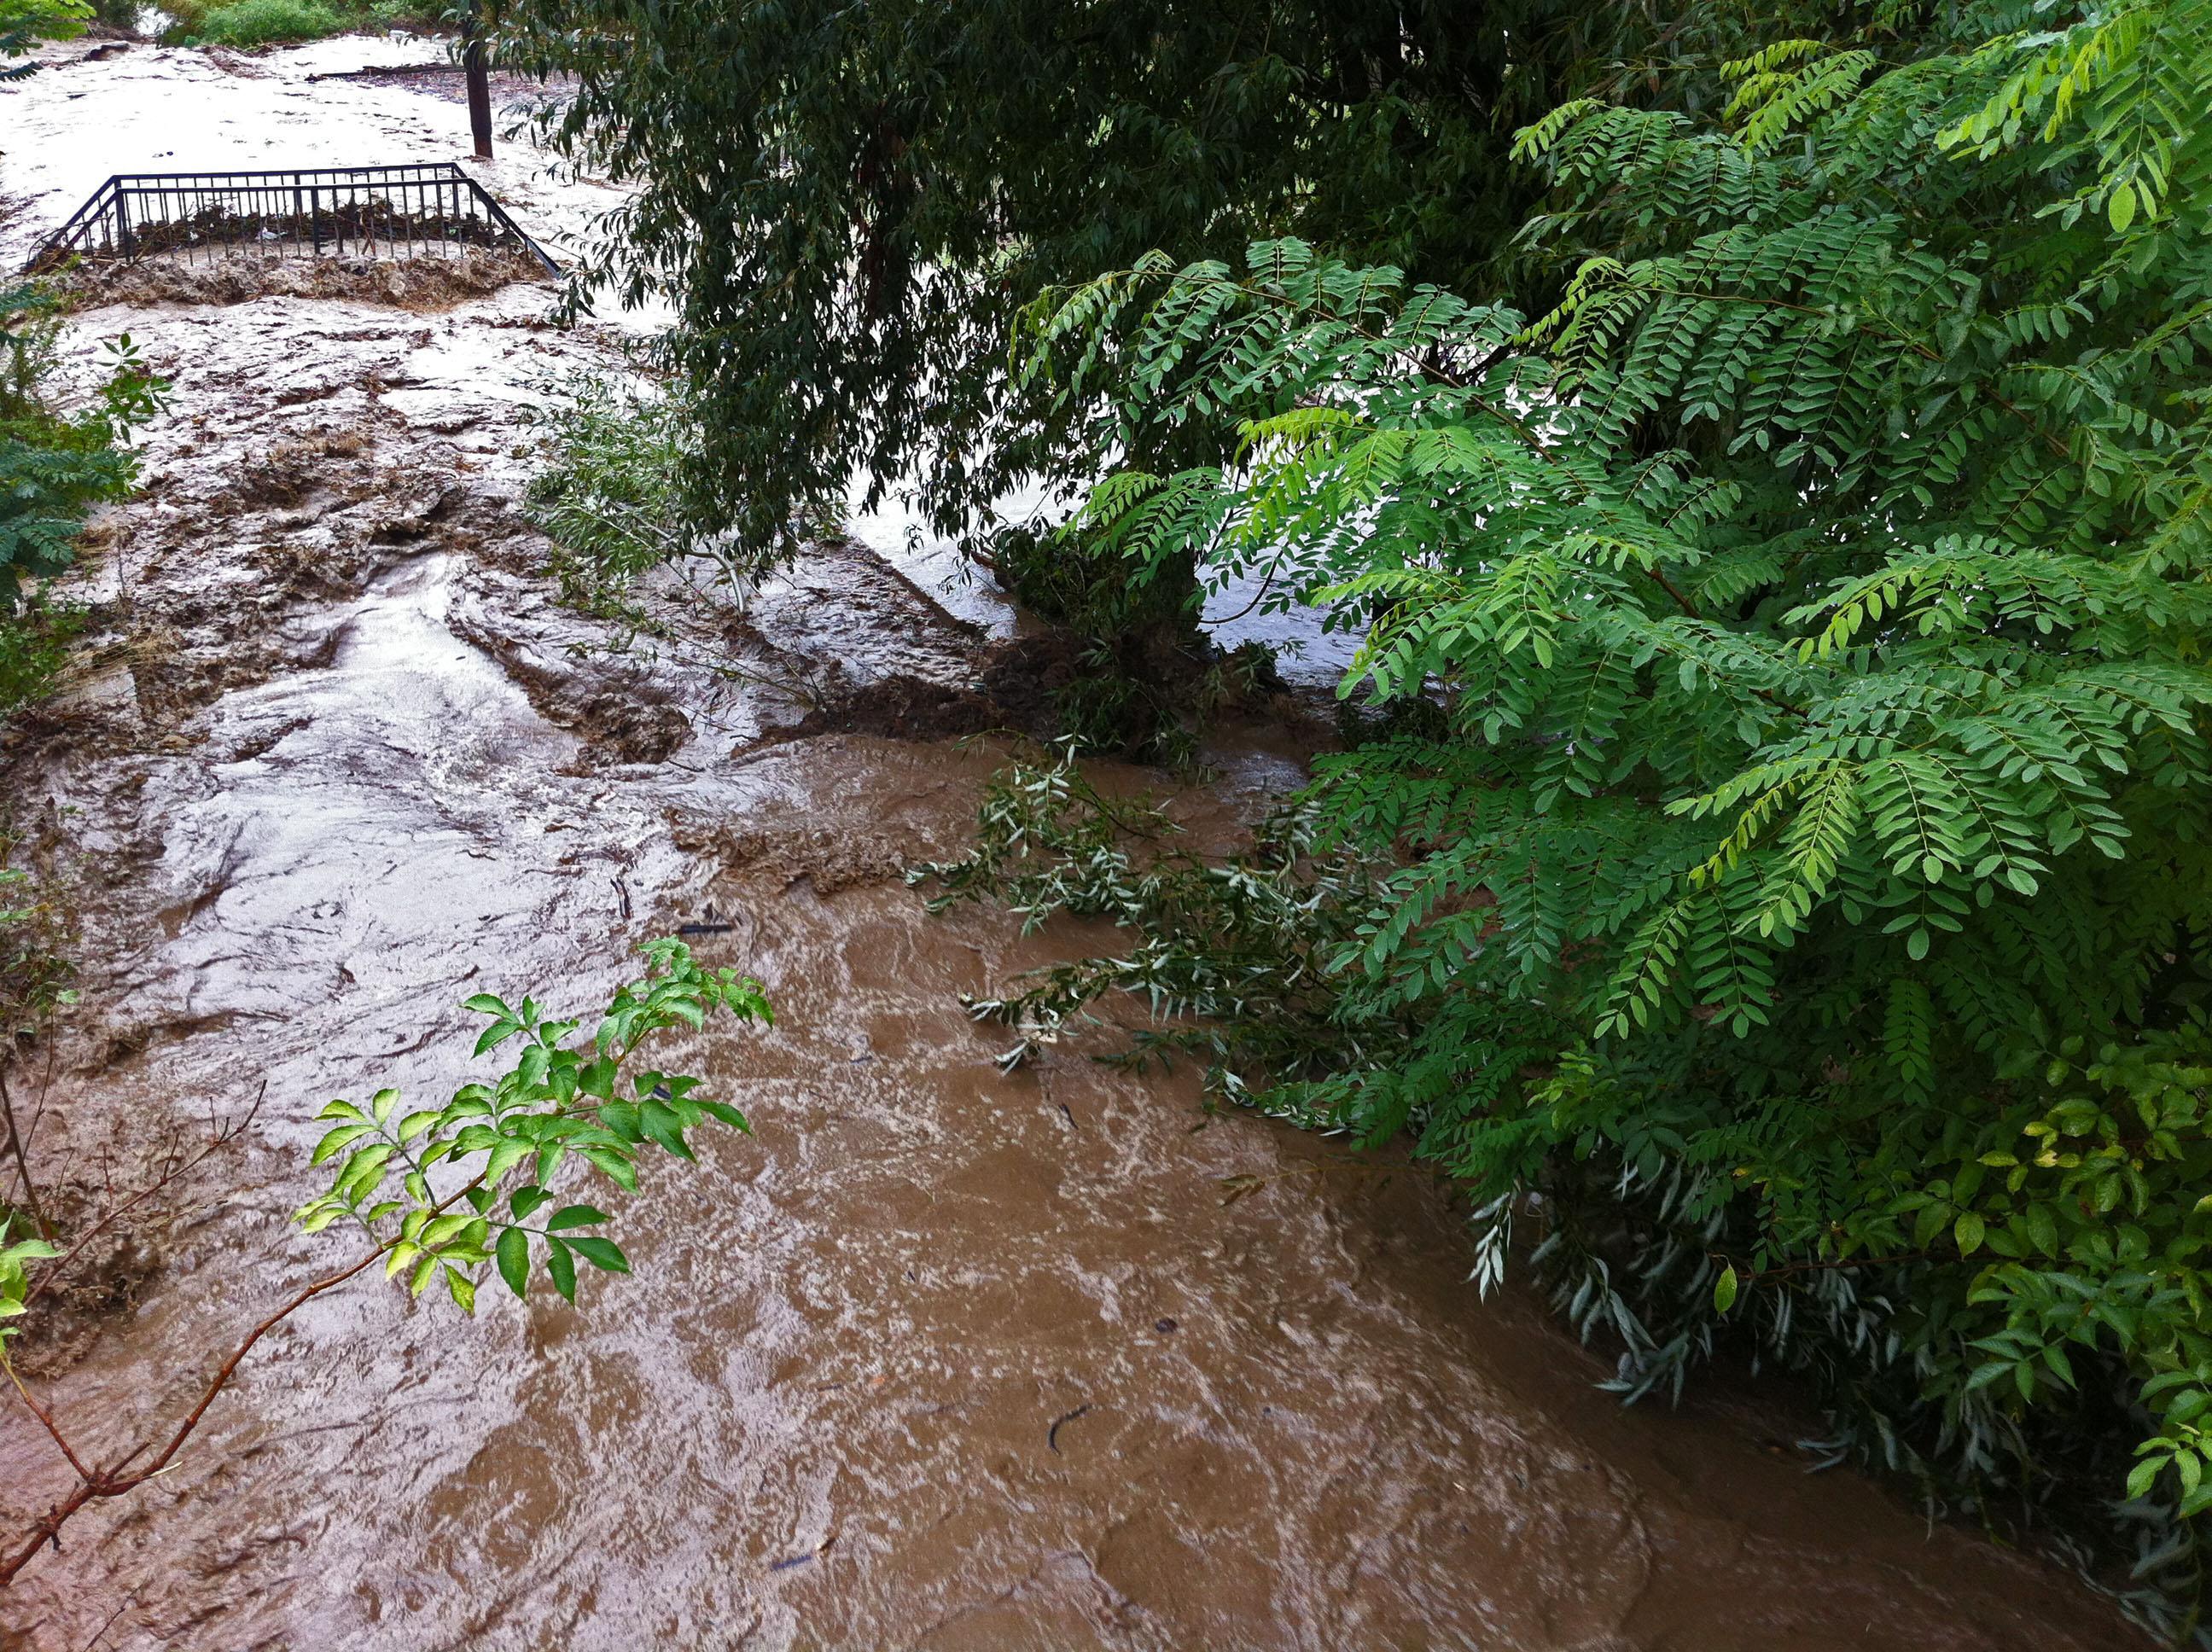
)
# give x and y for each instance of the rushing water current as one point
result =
(941, 1357)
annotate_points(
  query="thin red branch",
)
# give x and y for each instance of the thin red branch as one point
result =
(178, 1168)
(94, 1484)
(23, 1162)
(46, 1419)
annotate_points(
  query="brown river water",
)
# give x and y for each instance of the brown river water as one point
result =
(940, 1356)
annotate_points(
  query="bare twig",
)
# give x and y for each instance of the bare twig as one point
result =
(95, 1483)
(174, 1171)
(100, 1634)
(22, 1163)
(45, 1084)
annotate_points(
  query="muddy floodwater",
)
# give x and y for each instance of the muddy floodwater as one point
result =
(940, 1356)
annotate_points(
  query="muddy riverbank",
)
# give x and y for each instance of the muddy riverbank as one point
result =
(941, 1357)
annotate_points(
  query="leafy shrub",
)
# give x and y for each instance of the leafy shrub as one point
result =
(54, 469)
(24, 23)
(37, 935)
(266, 22)
(605, 493)
(1139, 651)
(1807, 890)
(554, 1104)
(34, 647)
(414, 14)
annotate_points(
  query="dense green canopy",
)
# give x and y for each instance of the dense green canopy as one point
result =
(851, 202)
(1789, 857)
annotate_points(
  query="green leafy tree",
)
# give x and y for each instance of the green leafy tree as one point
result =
(1783, 843)
(56, 466)
(24, 23)
(851, 203)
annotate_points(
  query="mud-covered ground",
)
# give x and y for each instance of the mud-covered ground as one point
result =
(941, 1357)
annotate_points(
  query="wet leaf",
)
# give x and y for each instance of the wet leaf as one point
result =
(514, 1260)
(2146, 1471)
(1239, 1186)
(338, 1141)
(603, 1254)
(661, 1126)
(2121, 209)
(560, 1266)
(727, 1115)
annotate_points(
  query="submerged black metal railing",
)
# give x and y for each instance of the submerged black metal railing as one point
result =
(431, 210)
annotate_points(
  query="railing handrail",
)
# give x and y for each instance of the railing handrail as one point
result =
(93, 205)
(443, 168)
(140, 186)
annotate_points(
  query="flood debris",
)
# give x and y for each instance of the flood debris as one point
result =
(429, 285)
(1052, 1434)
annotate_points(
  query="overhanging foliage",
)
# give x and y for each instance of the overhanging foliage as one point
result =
(1795, 860)
(851, 203)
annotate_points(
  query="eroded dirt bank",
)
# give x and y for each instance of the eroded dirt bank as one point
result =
(941, 1358)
